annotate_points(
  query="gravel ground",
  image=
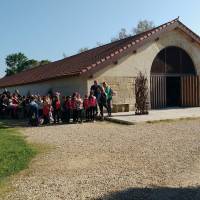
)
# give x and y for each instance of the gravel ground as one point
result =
(110, 161)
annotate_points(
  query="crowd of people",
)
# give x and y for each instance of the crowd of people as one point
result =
(54, 108)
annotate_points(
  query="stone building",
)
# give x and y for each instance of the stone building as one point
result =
(169, 55)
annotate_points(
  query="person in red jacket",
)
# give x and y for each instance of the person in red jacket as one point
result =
(46, 111)
(86, 108)
(56, 108)
(74, 107)
(14, 106)
(68, 108)
(92, 105)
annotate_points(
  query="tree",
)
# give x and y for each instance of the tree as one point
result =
(64, 55)
(27, 65)
(44, 62)
(18, 62)
(98, 44)
(143, 25)
(81, 50)
(14, 62)
(121, 35)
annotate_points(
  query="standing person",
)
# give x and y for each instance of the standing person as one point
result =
(4, 104)
(39, 101)
(96, 88)
(79, 103)
(63, 109)
(92, 105)
(109, 94)
(56, 108)
(14, 105)
(102, 102)
(46, 110)
(86, 108)
(24, 106)
(68, 108)
(33, 112)
(74, 107)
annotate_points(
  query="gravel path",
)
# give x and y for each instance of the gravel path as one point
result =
(111, 161)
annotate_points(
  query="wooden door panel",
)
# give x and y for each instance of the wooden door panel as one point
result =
(190, 91)
(158, 92)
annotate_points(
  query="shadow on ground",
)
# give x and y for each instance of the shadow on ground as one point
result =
(10, 123)
(20, 123)
(161, 193)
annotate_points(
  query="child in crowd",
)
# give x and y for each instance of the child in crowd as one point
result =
(14, 106)
(86, 108)
(39, 101)
(79, 104)
(63, 109)
(33, 112)
(74, 107)
(56, 108)
(49, 108)
(92, 105)
(68, 108)
(46, 110)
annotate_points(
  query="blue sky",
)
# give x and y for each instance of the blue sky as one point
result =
(45, 29)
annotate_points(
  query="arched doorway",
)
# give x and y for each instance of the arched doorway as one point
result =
(173, 79)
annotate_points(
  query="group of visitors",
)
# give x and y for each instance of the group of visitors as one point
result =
(54, 108)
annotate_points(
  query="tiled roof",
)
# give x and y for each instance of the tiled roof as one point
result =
(92, 60)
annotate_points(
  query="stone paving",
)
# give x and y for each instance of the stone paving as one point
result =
(155, 115)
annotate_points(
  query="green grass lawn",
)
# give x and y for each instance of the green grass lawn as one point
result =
(15, 153)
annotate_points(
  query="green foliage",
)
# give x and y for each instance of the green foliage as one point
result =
(18, 62)
(27, 65)
(44, 62)
(14, 62)
(15, 153)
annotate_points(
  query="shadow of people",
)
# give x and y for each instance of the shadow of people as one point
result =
(160, 193)
(10, 123)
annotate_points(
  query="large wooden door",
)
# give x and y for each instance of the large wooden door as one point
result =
(173, 91)
(158, 91)
(190, 91)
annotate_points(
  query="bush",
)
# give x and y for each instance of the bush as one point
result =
(141, 94)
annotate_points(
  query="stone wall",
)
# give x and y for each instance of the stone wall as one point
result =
(123, 87)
